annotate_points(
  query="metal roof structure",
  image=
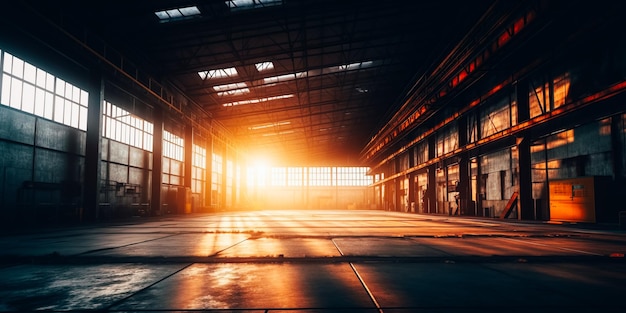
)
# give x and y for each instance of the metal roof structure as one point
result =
(308, 80)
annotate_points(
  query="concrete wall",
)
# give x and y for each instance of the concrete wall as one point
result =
(41, 166)
(125, 174)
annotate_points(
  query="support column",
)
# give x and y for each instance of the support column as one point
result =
(224, 194)
(525, 200)
(617, 149)
(431, 191)
(241, 183)
(93, 147)
(236, 180)
(188, 156)
(157, 163)
(208, 188)
(186, 201)
(464, 170)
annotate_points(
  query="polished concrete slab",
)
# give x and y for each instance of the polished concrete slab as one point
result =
(315, 261)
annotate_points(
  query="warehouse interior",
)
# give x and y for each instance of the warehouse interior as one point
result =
(273, 156)
(496, 109)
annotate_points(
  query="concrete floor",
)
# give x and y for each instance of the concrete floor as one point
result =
(315, 261)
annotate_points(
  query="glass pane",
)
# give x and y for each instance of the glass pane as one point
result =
(6, 89)
(75, 96)
(58, 109)
(75, 115)
(174, 13)
(29, 73)
(147, 144)
(84, 98)
(49, 106)
(28, 98)
(67, 112)
(8, 63)
(68, 91)
(60, 87)
(18, 68)
(40, 102)
(16, 93)
(41, 78)
(50, 82)
(190, 11)
(82, 118)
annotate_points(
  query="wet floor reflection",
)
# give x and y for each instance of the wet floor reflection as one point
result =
(68, 287)
(239, 286)
(282, 247)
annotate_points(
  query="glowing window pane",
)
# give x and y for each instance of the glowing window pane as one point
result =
(30, 73)
(83, 118)
(28, 98)
(58, 109)
(8, 63)
(18, 68)
(16, 93)
(60, 87)
(40, 102)
(41, 79)
(50, 82)
(6, 89)
(49, 106)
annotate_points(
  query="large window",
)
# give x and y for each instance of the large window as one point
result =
(447, 140)
(352, 176)
(320, 176)
(279, 176)
(216, 178)
(198, 173)
(33, 90)
(173, 146)
(295, 176)
(310, 176)
(497, 117)
(120, 125)
(230, 181)
(547, 96)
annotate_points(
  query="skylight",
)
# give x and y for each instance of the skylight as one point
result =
(253, 101)
(231, 89)
(317, 72)
(219, 73)
(234, 92)
(263, 126)
(282, 78)
(235, 5)
(355, 66)
(278, 133)
(230, 86)
(177, 14)
(264, 66)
